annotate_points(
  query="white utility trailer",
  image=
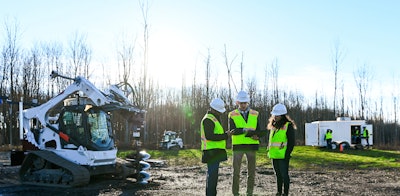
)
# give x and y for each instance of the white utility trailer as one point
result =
(343, 132)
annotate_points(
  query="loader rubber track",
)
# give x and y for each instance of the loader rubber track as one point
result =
(45, 168)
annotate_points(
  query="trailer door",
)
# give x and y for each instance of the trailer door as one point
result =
(312, 134)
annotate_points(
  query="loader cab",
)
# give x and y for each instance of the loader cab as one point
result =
(90, 128)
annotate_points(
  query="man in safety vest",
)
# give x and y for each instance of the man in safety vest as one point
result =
(356, 136)
(242, 121)
(280, 145)
(328, 138)
(213, 143)
(366, 135)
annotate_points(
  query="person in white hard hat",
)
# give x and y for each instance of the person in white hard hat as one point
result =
(280, 145)
(213, 143)
(242, 121)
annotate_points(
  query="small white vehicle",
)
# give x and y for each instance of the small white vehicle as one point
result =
(171, 141)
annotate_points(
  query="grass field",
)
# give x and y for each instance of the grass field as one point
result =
(303, 157)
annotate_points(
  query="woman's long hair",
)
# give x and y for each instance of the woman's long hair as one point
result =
(279, 124)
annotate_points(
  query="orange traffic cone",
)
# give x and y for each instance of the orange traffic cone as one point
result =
(341, 147)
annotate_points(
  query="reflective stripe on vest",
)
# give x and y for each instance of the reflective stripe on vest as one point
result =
(218, 129)
(278, 143)
(241, 123)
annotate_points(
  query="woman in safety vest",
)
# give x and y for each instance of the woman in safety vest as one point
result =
(280, 145)
(213, 143)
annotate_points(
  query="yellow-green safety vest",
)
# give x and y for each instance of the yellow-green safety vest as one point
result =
(239, 121)
(365, 134)
(218, 129)
(328, 135)
(278, 143)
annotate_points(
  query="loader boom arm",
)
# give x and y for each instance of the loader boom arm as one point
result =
(113, 99)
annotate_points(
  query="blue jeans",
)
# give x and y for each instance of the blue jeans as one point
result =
(212, 178)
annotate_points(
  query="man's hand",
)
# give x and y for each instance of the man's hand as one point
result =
(229, 133)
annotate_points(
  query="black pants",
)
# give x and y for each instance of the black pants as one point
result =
(281, 168)
(367, 140)
(329, 143)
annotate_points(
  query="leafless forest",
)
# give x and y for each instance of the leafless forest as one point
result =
(25, 74)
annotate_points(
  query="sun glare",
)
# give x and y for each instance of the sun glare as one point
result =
(171, 55)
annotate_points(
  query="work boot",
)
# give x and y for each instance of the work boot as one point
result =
(278, 194)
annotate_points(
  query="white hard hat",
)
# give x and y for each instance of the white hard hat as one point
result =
(218, 104)
(279, 109)
(243, 97)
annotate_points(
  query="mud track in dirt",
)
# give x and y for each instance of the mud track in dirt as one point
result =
(175, 181)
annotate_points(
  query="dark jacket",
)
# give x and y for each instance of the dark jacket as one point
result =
(213, 155)
(290, 134)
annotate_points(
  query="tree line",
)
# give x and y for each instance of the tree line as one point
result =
(25, 73)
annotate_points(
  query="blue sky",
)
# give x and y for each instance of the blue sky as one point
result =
(299, 34)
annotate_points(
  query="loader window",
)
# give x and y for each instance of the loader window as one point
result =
(99, 128)
(69, 123)
(166, 138)
(169, 137)
(73, 125)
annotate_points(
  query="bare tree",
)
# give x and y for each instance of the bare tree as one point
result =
(336, 62)
(362, 78)
(145, 89)
(241, 73)
(395, 95)
(80, 55)
(266, 89)
(33, 74)
(10, 57)
(208, 76)
(252, 89)
(143, 92)
(126, 61)
(274, 80)
(342, 113)
(125, 56)
(52, 60)
(230, 78)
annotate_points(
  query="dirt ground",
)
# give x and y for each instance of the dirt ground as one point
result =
(173, 181)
